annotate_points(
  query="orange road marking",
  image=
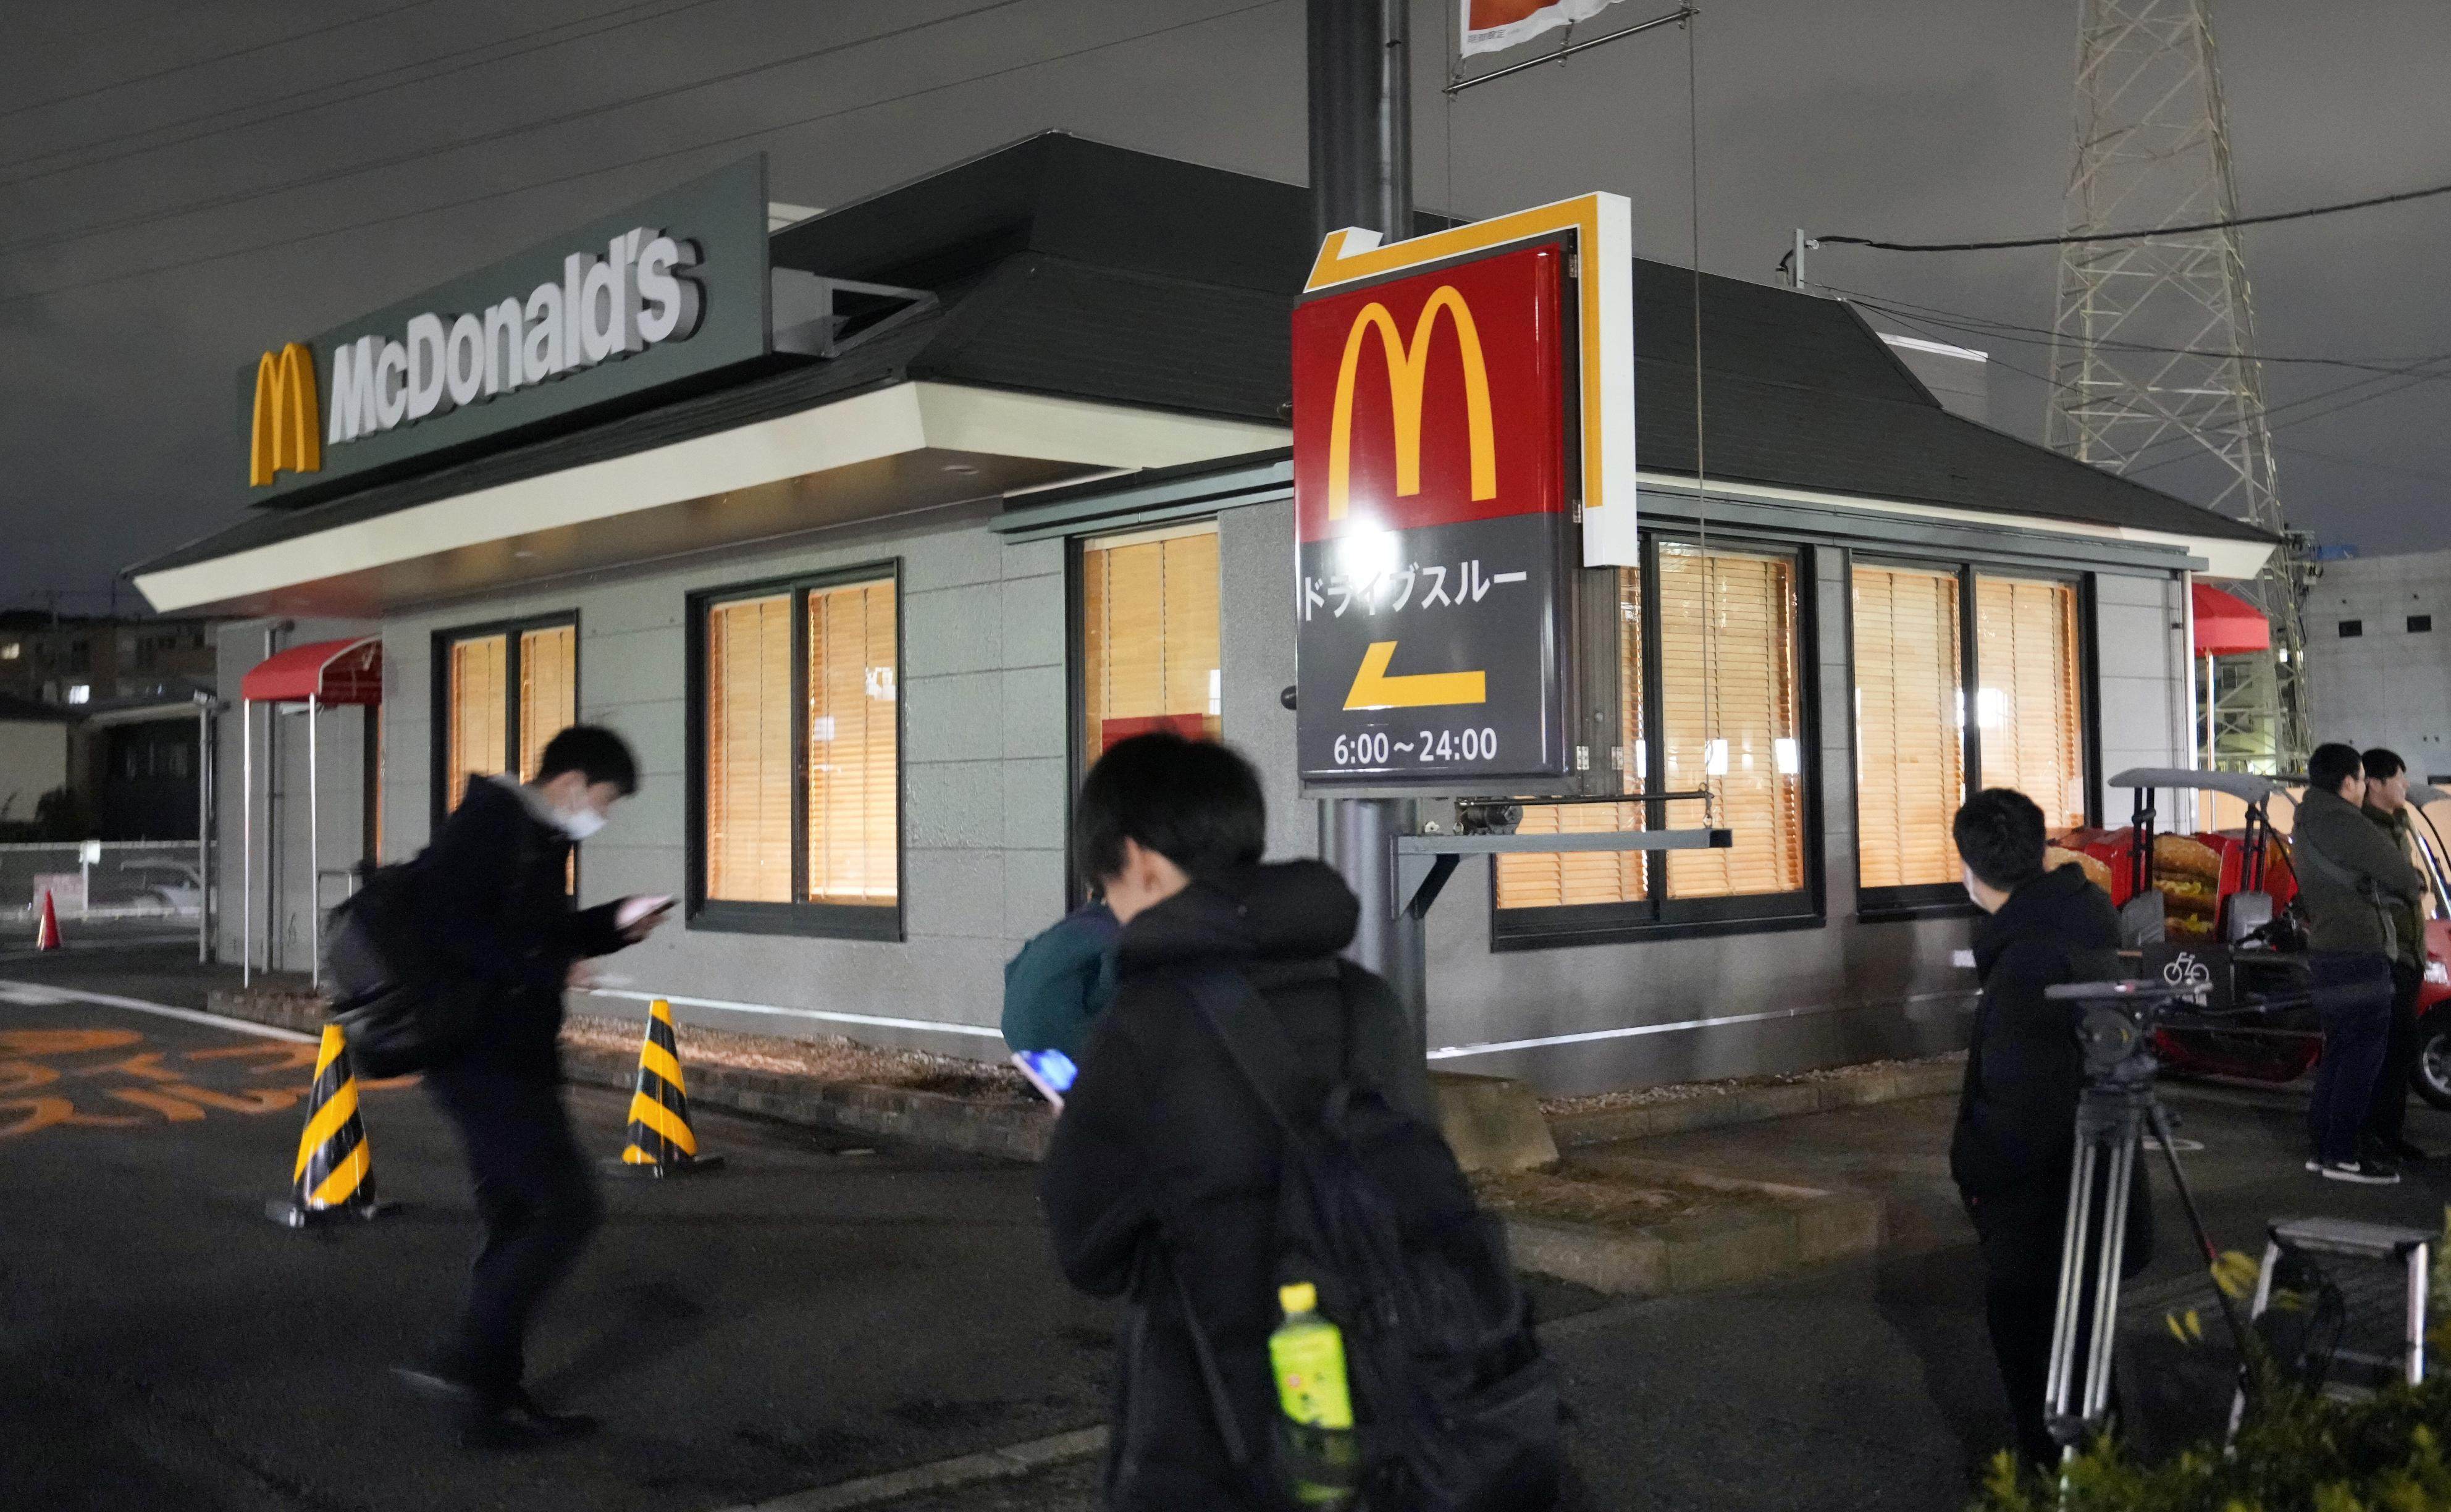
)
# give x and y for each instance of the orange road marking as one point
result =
(177, 1111)
(48, 1112)
(276, 1057)
(64, 1041)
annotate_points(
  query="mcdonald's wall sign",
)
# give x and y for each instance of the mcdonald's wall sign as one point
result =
(657, 295)
(1437, 457)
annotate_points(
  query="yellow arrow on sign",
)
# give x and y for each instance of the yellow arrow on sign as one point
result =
(1374, 689)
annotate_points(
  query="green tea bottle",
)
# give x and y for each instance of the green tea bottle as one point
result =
(1321, 1459)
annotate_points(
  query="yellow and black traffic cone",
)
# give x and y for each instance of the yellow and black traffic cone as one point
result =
(661, 1141)
(334, 1177)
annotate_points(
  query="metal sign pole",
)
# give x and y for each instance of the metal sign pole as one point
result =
(314, 853)
(246, 843)
(203, 829)
(1362, 175)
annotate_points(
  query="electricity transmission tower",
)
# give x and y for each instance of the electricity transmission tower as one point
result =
(2153, 356)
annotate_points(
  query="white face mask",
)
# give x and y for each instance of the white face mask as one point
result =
(580, 823)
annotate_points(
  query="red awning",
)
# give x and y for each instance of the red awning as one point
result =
(328, 672)
(2228, 625)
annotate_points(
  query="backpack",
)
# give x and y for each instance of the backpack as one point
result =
(1455, 1407)
(399, 1014)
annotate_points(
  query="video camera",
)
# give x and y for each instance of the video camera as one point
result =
(2116, 1021)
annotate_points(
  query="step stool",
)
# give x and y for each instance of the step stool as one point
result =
(2344, 1238)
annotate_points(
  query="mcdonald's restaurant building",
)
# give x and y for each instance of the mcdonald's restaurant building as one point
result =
(870, 530)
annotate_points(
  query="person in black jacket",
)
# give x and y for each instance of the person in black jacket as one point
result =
(495, 889)
(2015, 1141)
(1161, 1184)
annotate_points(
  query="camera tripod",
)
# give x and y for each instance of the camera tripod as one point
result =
(2116, 1110)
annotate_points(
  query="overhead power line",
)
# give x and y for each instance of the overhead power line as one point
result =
(218, 57)
(341, 92)
(2146, 233)
(500, 133)
(302, 239)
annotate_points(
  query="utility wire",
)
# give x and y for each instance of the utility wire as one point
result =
(219, 57)
(2145, 234)
(500, 133)
(302, 239)
(329, 90)
(2039, 336)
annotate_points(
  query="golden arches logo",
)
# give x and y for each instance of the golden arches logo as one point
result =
(1408, 366)
(288, 422)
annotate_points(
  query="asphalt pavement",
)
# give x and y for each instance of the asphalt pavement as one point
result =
(825, 1311)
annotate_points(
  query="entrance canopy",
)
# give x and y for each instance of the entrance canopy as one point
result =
(2228, 625)
(328, 672)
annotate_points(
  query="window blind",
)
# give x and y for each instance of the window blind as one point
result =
(548, 691)
(1909, 725)
(476, 706)
(749, 749)
(1149, 632)
(1729, 717)
(1530, 879)
(854, 838)
(2027, 711)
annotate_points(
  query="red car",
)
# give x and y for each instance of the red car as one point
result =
(2236, 888)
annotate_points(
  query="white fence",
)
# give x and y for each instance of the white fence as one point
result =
(159, 881)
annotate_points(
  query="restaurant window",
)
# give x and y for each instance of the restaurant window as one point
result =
(1909, 729)
(796, 758)
(1725, 679)
(1149, 636)
(502, 691)
(2030, 715)
(1937, 717)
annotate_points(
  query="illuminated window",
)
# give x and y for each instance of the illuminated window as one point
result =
(1725, 679)
(2029, 717)
(797, 752)
(1909, 726)
(11, 649)
(505, 690)
(1149, 636)
(1937, 718)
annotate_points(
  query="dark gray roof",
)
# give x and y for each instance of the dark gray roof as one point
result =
(1068, 266)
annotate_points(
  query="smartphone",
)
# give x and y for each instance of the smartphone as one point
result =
(1051, 1070)
(637, 910)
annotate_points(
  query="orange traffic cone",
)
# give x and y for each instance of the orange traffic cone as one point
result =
(334, 1177)
(47, 932)
(661, 1141)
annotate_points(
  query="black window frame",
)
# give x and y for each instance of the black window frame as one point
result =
(1947, 899)
(510, 630)
(2353, 629)
(874, 922)
(1656, 915)
(2421, 624)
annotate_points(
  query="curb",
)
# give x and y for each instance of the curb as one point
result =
(1753, 1105)
(1809, 1227)
(1009, 1131)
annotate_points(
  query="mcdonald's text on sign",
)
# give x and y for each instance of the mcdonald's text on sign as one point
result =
(1430, 497)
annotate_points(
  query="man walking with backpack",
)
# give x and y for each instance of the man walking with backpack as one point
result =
(1248, 1105)
(495, 897)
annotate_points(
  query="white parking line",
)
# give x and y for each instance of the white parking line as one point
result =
(45, 994)
(968, 1469)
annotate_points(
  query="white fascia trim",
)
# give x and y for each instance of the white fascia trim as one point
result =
(906, 418)
(2223, 557)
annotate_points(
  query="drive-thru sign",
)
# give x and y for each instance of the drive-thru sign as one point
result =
(1442, 428)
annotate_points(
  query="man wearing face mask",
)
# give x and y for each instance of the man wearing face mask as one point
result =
(496, 891)
(2015, 1141)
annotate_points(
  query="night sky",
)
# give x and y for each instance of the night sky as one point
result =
(180, 136)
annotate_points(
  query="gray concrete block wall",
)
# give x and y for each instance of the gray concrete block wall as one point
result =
(2141, 692)
(984, 776)
(2389, 686)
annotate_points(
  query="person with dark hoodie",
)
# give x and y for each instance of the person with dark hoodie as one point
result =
(1160, 1183)
(2349, 879)
(2016, 1142)
(2387, 809)
(495, 893)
